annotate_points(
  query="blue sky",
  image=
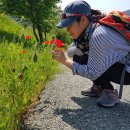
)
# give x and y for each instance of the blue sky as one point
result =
(104, 5)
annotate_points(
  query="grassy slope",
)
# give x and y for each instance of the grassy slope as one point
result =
(13, 58)
(9, 28)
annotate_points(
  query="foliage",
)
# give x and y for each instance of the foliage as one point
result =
(41, 13)
(23, 72)
(24, 69)
(10, 30)
(51, 21)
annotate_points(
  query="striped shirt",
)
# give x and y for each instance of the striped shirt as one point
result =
(106, 47)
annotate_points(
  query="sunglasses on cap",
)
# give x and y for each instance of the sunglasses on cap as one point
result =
(66, 15)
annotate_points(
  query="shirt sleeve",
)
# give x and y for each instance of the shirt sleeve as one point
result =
(106, 47)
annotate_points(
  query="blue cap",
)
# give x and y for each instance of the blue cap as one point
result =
(72, 11)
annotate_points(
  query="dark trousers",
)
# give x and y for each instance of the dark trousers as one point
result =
(113, 74)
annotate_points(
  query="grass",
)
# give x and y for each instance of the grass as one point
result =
(10, 30)
(23, 72)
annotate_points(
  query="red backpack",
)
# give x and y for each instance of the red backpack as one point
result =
(119, 21)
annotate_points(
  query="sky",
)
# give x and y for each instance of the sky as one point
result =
(104, 5)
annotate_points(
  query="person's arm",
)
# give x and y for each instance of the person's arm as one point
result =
(68, 63)
(60, 56)
(106, 48)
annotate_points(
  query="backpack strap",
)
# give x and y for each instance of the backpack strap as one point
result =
(118, 21)
(121, 32)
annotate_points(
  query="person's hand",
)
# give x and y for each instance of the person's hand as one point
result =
(59, 55)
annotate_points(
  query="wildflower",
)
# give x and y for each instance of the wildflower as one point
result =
(28, 37)
(55, 44)
(58, 43)
(24, 51)
(46, 42)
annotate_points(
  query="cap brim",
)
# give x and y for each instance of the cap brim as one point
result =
(66, 22)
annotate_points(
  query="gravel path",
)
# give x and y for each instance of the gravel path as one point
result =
(62, 107)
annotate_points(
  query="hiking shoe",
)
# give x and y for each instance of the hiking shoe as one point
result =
(94, 91)
(108, 98)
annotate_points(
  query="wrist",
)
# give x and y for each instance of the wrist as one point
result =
(68, 63)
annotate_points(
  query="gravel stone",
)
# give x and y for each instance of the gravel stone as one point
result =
(62, 107)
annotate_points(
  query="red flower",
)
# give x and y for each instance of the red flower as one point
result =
(46, 42)
(27, 37)
(58, 43)
(52, 41)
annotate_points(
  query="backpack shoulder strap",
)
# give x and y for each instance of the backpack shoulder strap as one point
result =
(118, 21)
